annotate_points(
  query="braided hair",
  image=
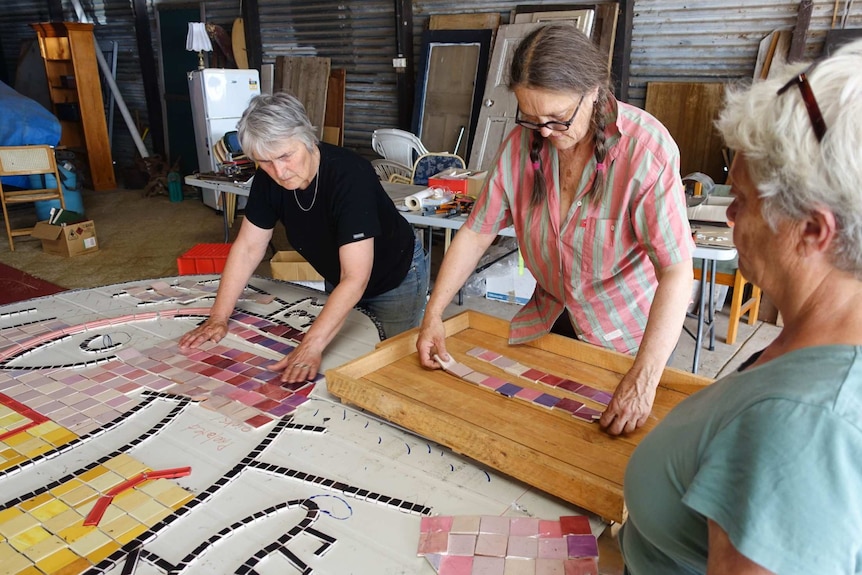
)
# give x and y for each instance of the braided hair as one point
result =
(562, 59)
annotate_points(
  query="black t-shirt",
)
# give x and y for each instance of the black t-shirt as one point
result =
(350, 206)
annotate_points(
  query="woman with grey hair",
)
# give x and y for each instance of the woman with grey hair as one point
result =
(337, 215)
(593, 189)
(761, 472)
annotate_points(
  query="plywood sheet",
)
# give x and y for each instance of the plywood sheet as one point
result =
(307, 78)
(333, 122)
(689, 110)
(547, 449)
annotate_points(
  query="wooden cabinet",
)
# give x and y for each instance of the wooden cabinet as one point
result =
(69, 52)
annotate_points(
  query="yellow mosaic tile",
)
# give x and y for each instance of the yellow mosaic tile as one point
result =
(44, 548)
(17, 524)
(34, 502)
(145, 512)
(59, 437)
(105, 481)
(29, 538)
(9, 513)
(93, 540)
(49, 426)
(49, 510)
(156, 486)
(17, 439)
(55, 562)
(74, 568)
(30, 571)
(93, 473)
(31, 444)
(66, 487)
(102, 552)
(119, 527)
(13, 461)
(159, 516)
(14, 564)
(125, 465)
(75, 532)
(131, 534)
(80, 495)
(43, 448)
(63, 520)
(174, 497)
(131, 499)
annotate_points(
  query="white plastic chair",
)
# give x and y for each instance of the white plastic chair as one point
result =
(397, 145)
(389, 171)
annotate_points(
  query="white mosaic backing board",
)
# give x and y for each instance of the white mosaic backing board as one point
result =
(96, 401)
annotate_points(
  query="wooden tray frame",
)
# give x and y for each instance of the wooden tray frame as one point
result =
(545, 448)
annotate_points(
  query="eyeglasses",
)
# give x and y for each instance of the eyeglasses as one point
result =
(808, 98)
(552, 125)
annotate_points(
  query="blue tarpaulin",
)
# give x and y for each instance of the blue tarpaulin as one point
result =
(23, 121)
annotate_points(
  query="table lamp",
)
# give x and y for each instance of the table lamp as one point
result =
(198, 41)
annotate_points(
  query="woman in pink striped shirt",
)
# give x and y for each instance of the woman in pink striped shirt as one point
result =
(593, 190)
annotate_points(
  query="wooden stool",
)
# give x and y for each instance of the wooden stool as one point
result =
(738, 308)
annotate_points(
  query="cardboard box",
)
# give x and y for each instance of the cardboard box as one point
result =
(67, 240)
(459, 181)
(509, 282)
(290, 266)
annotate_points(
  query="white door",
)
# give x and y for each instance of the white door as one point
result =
(499, 106)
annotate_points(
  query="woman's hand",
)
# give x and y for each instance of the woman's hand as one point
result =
(302, 364)
(213, 329)
(432, 340)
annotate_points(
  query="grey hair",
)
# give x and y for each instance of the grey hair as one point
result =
(793, 172)
(270, 120)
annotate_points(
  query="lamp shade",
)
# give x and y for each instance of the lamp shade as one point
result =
(198, 40)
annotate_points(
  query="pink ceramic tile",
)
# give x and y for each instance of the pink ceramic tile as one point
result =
(528, 394)
(553, 548)
(465, 524)
(492, 544)
(435, 524)
(493, 382)
(461, 544)
(433, 542)
(549, 528)
(455, 565)
(494, 524)
(524, 526)
(533, 374)
(476, 377)
(582, 566)
(489, 566)
(518, 566)
(524, 547)
(549, 567)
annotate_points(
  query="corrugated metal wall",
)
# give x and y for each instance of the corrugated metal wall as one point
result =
(692, 40)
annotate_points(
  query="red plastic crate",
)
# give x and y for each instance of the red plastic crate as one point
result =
(203, 259)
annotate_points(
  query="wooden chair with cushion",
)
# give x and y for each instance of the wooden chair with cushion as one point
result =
(431, 164)
(25, 161)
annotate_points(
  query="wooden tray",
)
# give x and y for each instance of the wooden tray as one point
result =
(545, 448)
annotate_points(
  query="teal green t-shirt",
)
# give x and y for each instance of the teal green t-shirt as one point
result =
(772, 454)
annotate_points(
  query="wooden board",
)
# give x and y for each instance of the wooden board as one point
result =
(488, 20)
(547, 449)
(307, 78)
(688, 110)
(333, 120)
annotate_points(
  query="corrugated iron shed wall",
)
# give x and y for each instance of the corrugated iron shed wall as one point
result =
(690, 40)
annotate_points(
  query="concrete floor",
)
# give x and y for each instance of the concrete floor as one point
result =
(141, 238)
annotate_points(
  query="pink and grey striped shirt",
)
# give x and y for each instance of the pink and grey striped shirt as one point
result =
(601, 260)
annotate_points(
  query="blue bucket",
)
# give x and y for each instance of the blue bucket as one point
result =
(71, 193)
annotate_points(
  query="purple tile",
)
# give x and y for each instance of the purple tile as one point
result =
(582, 546)
(587, 414)
(509, 389)
(547, 400)
(570, 385)
(569, 405)
(603, 397)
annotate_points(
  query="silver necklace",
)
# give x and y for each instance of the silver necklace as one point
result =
(313, 198)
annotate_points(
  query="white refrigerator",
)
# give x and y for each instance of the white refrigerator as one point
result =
(219, 97)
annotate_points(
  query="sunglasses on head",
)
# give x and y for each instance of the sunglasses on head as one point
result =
(808, 98)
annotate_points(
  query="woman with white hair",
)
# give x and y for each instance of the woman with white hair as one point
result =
(337, 215)
(761, 472)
